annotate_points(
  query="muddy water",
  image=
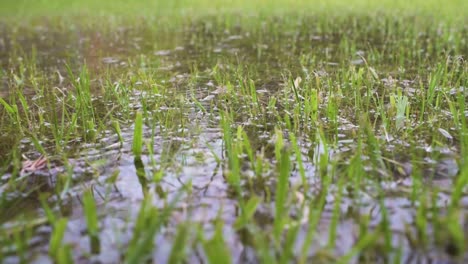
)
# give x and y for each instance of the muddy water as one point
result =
(191, 151)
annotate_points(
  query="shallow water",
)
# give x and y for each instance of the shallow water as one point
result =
(187, 151)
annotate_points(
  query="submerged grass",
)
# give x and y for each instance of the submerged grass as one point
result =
(254, 131)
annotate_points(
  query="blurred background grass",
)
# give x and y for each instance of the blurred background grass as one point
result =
(451, 10)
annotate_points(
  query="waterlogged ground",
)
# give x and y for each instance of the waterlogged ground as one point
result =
(301, 142)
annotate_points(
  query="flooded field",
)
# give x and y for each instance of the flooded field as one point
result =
(298, 140)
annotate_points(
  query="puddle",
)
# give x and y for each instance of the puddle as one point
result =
(184, 147)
